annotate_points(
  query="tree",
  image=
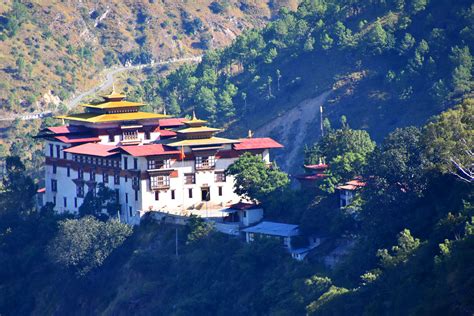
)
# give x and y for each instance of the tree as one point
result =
(101, 204)
(417, 6)
(17, 190)
(461, 59)
(404, 249)
(377, 39)
(205, 100)
(448, 138)
(254, 179)
(20, 64)
(198, 229)
(84, 244)
(406, 44)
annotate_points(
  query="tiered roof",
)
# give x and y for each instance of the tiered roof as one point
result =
(112, 109)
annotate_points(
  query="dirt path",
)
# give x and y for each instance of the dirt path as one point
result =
(107, 83)
(303, 114)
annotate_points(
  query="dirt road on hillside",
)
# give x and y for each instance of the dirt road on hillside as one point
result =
(302, 115)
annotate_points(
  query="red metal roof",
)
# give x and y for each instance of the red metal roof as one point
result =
(72, 139)
(256, 143)
(244, 206)
(93, 149)
(352, 185)
(65, 129)
(149, 150)
(321, 166)
(41, 190)
(172, 122)
(310, 177)
(166, 133)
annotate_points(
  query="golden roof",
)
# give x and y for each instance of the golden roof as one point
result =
(198, 129)
(206, 141)
(113, 104)
(195, 122)
(103, 118)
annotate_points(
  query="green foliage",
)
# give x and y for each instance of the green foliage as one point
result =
(406, 247)
(198, 229)
(84, 244)
(100, 203)
(254, 179)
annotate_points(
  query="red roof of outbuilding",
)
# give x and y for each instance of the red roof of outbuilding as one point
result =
(149, 150)
(244, 206)
(310, 177)
(257, 143)
(172, 122)
(41, 190)
(352, 185)
(93, 149)
(320, 166)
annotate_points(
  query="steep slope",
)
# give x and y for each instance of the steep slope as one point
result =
(389, 64)
(59, 46)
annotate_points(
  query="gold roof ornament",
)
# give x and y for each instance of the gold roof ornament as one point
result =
(104, 118)
(250, 134)
(195, 122)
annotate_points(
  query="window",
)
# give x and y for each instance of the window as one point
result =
(160, 181)
(135, 163)
(65, 201)
(205, 162)
(117, 195)
(92, 175)
(75, 202)
(136, 195)
(80, 191)
(173, 194)
(68, 171)
(126, 178)
(80, 174)
(105, 177)
(54, 200)
(64, 153)
(125, 162)
(245, 214)
(55, 169)
(58, 151)
(147, 135)
(219, 176)
(51, 150)
(126, 197)
(111, 138)
(190, 193)
(54, 185)
(130, 135)
(157, 195)
(135, 182)
(130, 211)
(189, 178)
(159, 164)
(220, 191)
(117, 178)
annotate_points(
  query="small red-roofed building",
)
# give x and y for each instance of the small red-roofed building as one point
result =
(348, 191)
(152, 162)
(313, 175)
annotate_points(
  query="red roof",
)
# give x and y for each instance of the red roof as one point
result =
(244, 206)
(321, 166)
(351, 185)
(41, 190)
(71, 139)
(257, 143)
(65, 129)
(149, 150)
(172, 122)
(92, 149)
(310, 177)
(166, 133)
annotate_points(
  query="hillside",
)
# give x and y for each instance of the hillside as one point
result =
(386, 64)
(51, 50)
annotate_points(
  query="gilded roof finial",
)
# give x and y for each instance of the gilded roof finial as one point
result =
(194, 116)
(164, 110)
(250, 134)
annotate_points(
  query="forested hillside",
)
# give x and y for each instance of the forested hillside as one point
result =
(387, 64)
(52, 49)
(411, 230)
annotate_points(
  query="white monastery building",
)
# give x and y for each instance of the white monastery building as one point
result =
(153, 162)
